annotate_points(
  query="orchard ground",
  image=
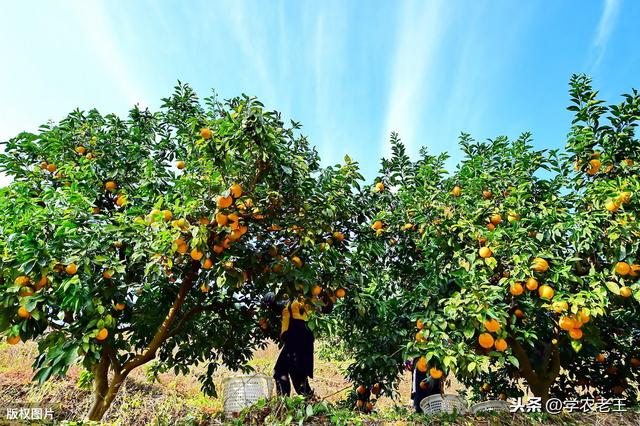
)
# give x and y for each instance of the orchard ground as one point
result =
(177, 399)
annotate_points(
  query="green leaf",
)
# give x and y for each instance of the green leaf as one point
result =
(613, 287)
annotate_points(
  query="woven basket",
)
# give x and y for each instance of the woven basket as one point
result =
(443, 403)
(243, 391)
(496, 405)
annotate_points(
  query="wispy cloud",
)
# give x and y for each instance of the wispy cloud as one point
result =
(605, 27)
(421, 26)
(102, 38)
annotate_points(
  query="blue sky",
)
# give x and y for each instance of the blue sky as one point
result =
(350, 71)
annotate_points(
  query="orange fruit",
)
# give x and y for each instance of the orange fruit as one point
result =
(22, 280)
(567, 323)
(102, 334)
(236, 190)
(624, 197)
(560, 306)
(601, 357)
(492, 325)
(420, 337)
(575, 333)
(516, 288)
(486, 194)
(375, 389)
(361, 389)
(204, 288)
(485, 340)
(167, 215)
(501, 345)
(583, 317)
(546, 292)
(121, 200)
(338, 236)
(594, 166)
(423, 384)
(52, 168)
(110, 186)
(622, 268)
(377, 225)
(23, 313)
(180, 165)
(218, 249)
(419, 324)
(26, 291)
(485, 252)
(518, 313)
(456, 191)
(119, 306)
(221, 219)
(106, 274)
(81, 150)
(196, 254)
(233, 217)
(625, 291)
(635, 362)
(359, 403)
(340, 293)
(182, 248)
(296, 260)
(539, 265)
(204, 221)
(491, 226)
(316, 290)
(224, 202)
(206, 133)
(435, 373)
(421, 365)
(207, 264)
(13, 340)
(71, 269)
(379, 186)
(532, 284)
(44, 280)
(495, 219)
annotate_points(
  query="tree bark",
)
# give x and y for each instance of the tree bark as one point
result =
(542, 378)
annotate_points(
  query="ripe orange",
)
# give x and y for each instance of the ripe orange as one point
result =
(518, 313)
(316, 290)
(501, 345)
(485, 340)
(221, 219)
(71, 269)
(23, 313)
(119, 306)
(121, 200)
(81, 150)
(26, 291)
(601, 357)
(361, 389)
(204, 220)
(379, 186)
(224, 202)
(622, 268)
(419, 324)
(532, 284)
(218, 249)
(207, 264)
(567, 323)
(44, 280)
(635, 362)
(420, 337)
(575, 333)
(102, 334)
(421, 365)
(560, 306)
(435, 373)
(485, 252)
(233, 217)
(495, 219)
(338, 236)
(486, 194)
(236, 190)
(180, 165)
(110, 185)
(340, 293)
(277, 268)
(583, 317)
(167, 215)
(625, 291)
(13, 340)
(297, 261)
(359, 403)
(456, 191)
(516, 288)
(624, 197)
(491, 226)
(376, 389)
(206, 133)
(423, 384)
(204, 288)
(492, 325)
(106, 274)
(369, 406)
(52, 168)
(540, 265)
(594, 166)
(546, 292)
(377, 225)
(182, 248)
(196, 254)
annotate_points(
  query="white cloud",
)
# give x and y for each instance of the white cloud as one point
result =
(605, 27)
(421, 28)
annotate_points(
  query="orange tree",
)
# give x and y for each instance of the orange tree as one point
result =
(536, 261)
(371, 326)
(156, 236)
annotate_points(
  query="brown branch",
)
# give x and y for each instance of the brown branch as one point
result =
(117, 368)
(523, 359)
(161, 334)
